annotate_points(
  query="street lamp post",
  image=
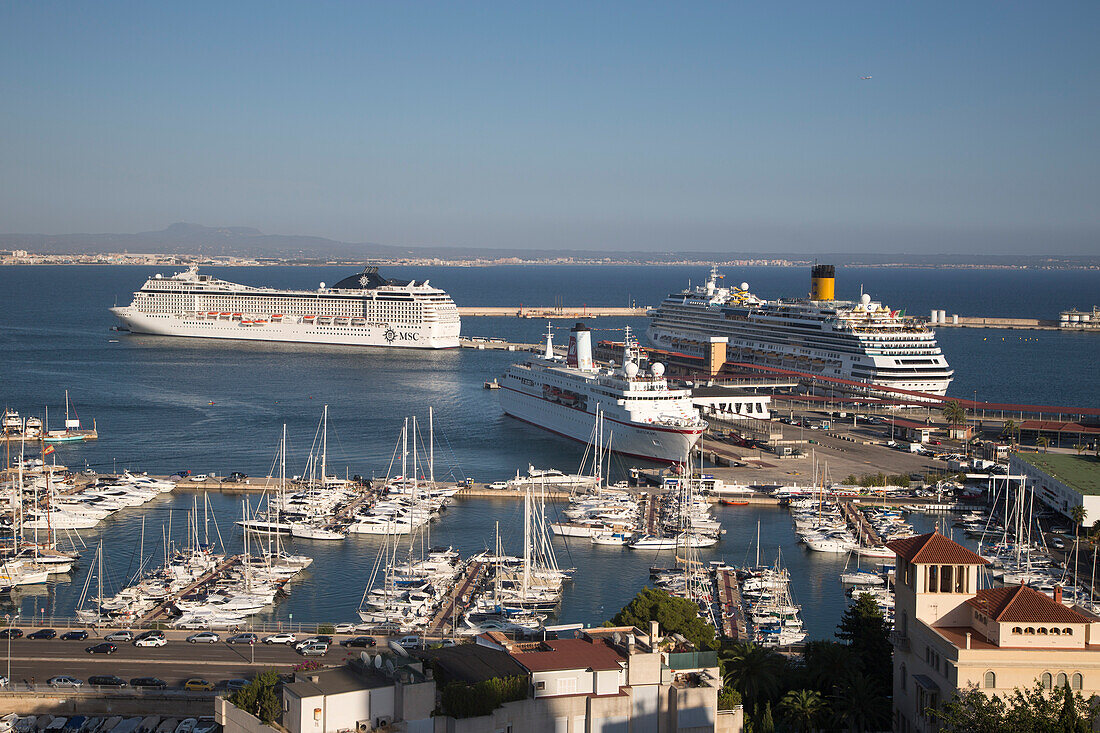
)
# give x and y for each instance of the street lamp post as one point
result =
(11, 622)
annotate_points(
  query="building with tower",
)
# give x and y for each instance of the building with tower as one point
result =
(951, 635)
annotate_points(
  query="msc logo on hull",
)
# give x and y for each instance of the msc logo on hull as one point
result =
(392, 336)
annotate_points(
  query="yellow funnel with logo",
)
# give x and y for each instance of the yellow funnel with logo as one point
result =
(822, 282)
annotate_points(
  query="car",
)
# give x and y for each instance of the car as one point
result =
(1058, 544)
(409, 642)
(236, 477)
(104, 647)
(11, 633)
(64, 680)
(314, 649)
(75, 635)
(125, 635)
(106, 680)
(344, 628)
(237, 684)
(150, 634)
(499, 485)
(242, 639)
(313, 640)
(153, 641)
(198, 477)
(196, 684)
(360, 641)
(148, 683)
(204, 637)
(42, 634)
(279, 639)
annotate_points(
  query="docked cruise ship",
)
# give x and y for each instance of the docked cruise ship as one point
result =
(642, 415)
(863, 341)
(364, 309)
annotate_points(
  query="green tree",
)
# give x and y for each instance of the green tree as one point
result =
(1043, 442)
(259, 698)
(753, 671)
(863, 628)
(800, 708)
(860, 702)
(676, 616)
(1028, 710)
(1011, 430)
(766, 724)
(820, 661)
(954, 413)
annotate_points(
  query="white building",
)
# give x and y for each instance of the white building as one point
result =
(1061, 480)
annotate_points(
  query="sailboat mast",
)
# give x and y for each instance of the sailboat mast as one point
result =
(431, 446)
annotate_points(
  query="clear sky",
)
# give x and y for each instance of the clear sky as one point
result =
(666, 125)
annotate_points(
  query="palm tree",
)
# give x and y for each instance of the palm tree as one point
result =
(1077, 513)
(753, 671)
(860, 703)
(801, 707)
(954, 413)
(1043, 442)
(1011, 430)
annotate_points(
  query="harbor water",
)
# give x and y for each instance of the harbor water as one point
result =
(164, 404)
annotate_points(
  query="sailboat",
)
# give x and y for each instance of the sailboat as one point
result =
(73, 432)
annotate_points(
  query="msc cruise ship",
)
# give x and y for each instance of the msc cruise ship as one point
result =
(364, 309)
(862, 341)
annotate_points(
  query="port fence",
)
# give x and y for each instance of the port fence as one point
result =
(62, 624)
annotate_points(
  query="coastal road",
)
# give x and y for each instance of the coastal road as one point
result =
(173, 663)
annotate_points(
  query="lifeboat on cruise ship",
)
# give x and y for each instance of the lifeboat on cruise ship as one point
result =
(358, 321)
(324, 320)
(308, 319)
(259, 322)
(340, 321)
(567, 398)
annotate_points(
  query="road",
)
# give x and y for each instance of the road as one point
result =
(173, 663)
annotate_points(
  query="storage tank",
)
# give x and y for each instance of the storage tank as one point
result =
(822, 282)
(955, 318)
(935, 317)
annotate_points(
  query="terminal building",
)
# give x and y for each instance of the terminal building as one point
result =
(951, 635)
(1062, 481)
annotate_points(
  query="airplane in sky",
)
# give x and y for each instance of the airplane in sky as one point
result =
(864, 78)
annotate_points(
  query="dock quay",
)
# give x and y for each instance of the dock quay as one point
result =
(164, 606)
(457, 601)
(733, 624)
(521, 311)
(859, 524)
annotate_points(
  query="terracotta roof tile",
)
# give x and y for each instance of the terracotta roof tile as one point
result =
(1021, 604)
(570, 654)
(934, 548)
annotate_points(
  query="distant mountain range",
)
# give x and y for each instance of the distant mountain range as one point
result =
(195, 239)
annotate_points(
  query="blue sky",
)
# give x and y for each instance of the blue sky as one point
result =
(666, 126)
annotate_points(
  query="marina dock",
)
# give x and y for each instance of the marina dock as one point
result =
(165, 606)
(859, 524)
(457, 601)
(733, 624)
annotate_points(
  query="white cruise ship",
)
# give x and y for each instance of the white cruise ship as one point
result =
(364, 309)
(863, 341)
(643, 416)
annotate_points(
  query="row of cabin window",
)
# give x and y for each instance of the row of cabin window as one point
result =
(1043, 631)
(948, 579)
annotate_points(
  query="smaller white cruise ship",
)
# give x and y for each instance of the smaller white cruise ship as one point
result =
(364, 309)
(642, 415)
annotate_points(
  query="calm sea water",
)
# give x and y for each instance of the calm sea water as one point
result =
(166, 404)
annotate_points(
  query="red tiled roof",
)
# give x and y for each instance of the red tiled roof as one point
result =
(1021, 604)
(1054, 426)
(910, 424)
(934, 548)
(570, 654)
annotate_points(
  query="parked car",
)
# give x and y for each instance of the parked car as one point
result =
(236, 684)
(42, 634)
(314, 649)
(153, 641)
(11, 633)
(204, 637)
(409, 642)
(235, 478)
(148, 683)
(198, 477)
(344, 628)
(106, 680)
(125, 635)
(242, 639)
(313, 640)
(104, 647)
(360, 641)
(279, 639)
(64, 680)
(1057, 543)
(75, 635)
(196, 684)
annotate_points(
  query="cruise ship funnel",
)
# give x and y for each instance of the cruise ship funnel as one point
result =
(580, 348)
(823, 282)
